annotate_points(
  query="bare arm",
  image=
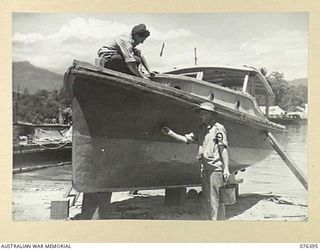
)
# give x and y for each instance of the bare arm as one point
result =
(133, 68)
(144, 63)
(225, 161)
(171, 133)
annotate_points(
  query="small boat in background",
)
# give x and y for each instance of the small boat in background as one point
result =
(289, 119)
(41, 143)
(294, 116)
(117, 143)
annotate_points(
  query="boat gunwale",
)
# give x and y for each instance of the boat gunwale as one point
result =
(217, 66)
(42, 125)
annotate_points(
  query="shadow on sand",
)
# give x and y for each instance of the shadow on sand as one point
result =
(247, 201)
(153, 207)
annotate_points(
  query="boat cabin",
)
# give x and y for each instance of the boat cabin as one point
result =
(246, 80)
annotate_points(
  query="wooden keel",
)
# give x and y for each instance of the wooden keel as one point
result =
(95, 205)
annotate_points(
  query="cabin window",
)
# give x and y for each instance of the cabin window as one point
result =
(258, 90)
(192, 75)
(196, 75)
(248, 82)
(200, 75)
(251, 89)
(237, 104)
(226, 78)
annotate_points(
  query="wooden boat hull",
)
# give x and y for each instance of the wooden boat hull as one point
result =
(118, 145)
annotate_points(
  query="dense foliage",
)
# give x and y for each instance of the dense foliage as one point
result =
(287, 96)
(41, 107)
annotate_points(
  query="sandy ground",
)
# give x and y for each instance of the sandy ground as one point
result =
(34, 191)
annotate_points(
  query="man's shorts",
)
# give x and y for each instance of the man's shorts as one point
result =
(117, 63)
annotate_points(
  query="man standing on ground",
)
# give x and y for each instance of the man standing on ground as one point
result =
(121, 54)
(212, 154)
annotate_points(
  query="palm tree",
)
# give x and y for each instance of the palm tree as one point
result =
(264, 71)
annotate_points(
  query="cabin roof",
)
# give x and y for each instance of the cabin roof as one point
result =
(217, 66)
(228, 76)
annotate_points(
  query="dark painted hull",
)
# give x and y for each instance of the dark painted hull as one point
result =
(117, 143)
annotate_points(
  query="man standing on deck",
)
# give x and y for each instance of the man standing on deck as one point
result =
(121, 54)
(212, 154)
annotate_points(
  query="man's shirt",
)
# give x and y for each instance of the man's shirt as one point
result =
(122, 45)
(209, 139)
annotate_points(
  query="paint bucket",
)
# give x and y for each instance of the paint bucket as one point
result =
(227, 194)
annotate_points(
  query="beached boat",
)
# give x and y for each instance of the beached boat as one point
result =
(117, 142)
(289, 119)
(40, 136)
(35, 144)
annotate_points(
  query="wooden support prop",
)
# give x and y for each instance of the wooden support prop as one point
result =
(72, 194)
(67, 194)
(289, 162)
(59, 210)
(95, 205)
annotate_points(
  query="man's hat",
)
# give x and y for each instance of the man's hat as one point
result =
(208, 106)
(141, 30)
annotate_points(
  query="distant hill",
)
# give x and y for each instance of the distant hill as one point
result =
(300, 81)
(28, 76)
(34, 78)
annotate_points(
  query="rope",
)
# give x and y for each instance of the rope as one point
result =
(58, 147)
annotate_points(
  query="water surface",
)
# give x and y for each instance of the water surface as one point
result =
(273, 175)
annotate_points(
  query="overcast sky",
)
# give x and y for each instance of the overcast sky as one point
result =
(277, 41)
